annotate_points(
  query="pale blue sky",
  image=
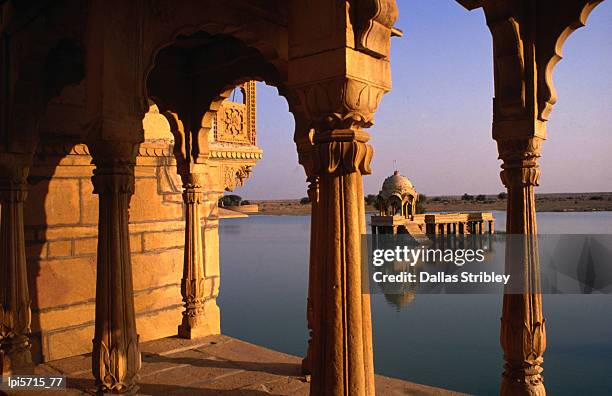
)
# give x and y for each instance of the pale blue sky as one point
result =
(436, 122)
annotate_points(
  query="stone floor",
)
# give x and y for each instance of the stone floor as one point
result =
(217, 365)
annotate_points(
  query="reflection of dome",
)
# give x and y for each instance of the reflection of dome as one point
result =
(399, 301)
(396, 185)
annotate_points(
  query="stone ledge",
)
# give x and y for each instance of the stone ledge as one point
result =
(216, 365)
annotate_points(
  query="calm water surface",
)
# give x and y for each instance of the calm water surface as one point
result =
(450, 341)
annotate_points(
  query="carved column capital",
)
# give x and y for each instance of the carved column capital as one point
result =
(193, 187)
(337, 152)
(114, 172)
(520, 155)
(517, 177)
(14, 170)
(338, 103)
(14, 189)
(196, 180)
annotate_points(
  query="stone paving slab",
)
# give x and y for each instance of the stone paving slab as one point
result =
(216, 365)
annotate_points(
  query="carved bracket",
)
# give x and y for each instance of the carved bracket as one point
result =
(235, 175)
(373, 24)
(572, 17)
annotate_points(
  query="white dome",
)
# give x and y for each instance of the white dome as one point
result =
(396, 184)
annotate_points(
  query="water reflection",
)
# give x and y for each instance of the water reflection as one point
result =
(434, 339)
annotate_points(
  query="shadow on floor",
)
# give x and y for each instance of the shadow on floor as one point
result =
(283, 369)
(88, 386)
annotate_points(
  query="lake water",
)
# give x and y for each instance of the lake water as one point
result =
(449, 341)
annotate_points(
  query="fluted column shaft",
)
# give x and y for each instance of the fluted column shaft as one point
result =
(313, 304)
(116, 355)
(15, 314)
(342, 357)
(196, 322)
(523, 331)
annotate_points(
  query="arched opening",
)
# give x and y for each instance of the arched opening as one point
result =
(51, 96)
(264, 258)
(238, 95)
(216, 121)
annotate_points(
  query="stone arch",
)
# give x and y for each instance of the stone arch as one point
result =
(53, 59)
(394, 205)
(61, 67)
(224, 70)
(572, 20)
(64, 65)
(166, 26)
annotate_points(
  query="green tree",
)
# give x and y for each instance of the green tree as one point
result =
(371, 199)
(480, 197)
(420, 204)
(467, 197)
(305, 201)
(502, 195)
(377, 202)
(230, 200)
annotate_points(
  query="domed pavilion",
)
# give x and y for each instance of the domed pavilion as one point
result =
(397, 214)
(397, 197)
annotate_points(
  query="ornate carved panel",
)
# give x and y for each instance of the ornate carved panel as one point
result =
(235, 175)
(235, 122)
(231, 123)
(373, 21)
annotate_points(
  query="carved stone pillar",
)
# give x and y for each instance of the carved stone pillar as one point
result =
(341, 358)
(523, 331)
(15, 315)
(312, 306)
(116, 355)
(331, 105)
(201, 314)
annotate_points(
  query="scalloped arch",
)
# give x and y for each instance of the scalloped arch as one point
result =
(548, 95)
(239, 31)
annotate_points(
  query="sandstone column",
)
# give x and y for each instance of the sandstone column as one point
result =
(527, 44)
(200, 281)
(332, 105)
(116, 355)
(523, 331)
(341, 357)
(312, 302)
(201, 314)
(15, 355)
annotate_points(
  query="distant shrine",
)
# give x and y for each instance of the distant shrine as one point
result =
(397, 207)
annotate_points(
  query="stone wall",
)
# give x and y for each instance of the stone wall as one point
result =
(61, 216)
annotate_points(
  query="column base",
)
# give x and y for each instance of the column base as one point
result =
(521, 388)
(15, 359)
(128, 392)
(206, 323)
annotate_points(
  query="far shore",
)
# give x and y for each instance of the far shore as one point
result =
(558, 202)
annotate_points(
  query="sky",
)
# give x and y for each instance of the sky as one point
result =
(436, 121)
